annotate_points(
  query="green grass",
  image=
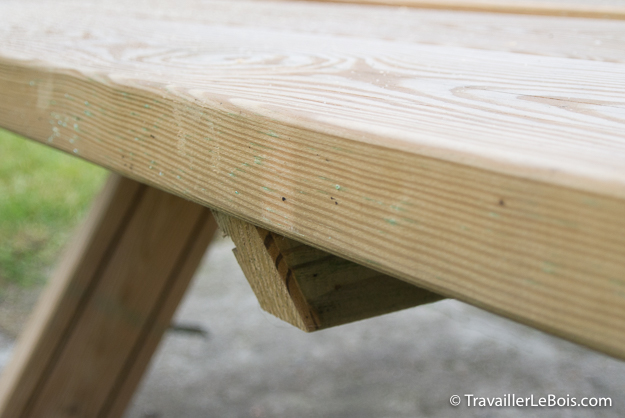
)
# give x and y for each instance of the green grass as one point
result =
(43, 195)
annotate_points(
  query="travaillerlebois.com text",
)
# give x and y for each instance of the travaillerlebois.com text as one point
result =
(514, 401)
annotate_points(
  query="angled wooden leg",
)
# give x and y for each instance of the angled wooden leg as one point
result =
(310, 288)
(112, 297)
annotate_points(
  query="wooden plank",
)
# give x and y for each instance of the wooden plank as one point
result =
(492, 177)
(602, 9)
(269, 287)
(589, 39)
(310, 288)
(108, 304)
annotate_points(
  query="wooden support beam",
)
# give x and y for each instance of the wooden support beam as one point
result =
(310, 288)
(112, 297)
(480, 157)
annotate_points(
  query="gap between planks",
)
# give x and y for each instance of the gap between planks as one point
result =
(565, 8)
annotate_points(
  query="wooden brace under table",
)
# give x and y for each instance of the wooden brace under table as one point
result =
(114, 293)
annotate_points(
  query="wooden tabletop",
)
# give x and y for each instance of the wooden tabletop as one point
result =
(605, 9)
(477, 155)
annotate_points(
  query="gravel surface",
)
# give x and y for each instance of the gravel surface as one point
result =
(407, 364)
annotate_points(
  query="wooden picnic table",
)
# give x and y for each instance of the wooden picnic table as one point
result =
(363, 158)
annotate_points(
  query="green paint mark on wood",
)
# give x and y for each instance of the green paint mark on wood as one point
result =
(259, 145)
(391, 221)
(531, 282)
(618, 282)
(567, 223)
(549, 267)
(590, 202)
(373, 200)
(410, 221)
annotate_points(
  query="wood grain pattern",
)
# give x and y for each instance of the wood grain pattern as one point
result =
(310, 288)
(489, 176)
(589, 39)
(274, 295)
(107, 306)
(603, 9)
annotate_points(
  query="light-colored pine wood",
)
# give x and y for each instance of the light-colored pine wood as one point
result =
(602, 9)
(274, 296)
(589, 39)
(310, 288)
(107, 306)
(493, 177)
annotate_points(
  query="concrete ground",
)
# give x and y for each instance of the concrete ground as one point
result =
(406, 364)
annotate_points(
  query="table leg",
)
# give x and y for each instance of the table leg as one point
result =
(112, 297)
